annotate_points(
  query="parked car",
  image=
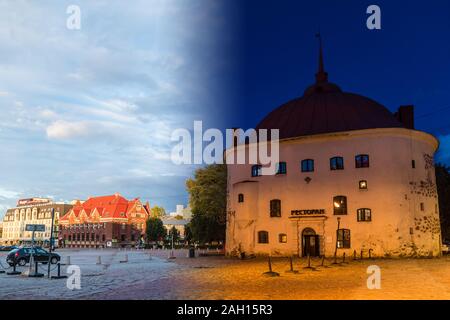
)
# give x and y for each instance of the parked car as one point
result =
(7, 248)
(22, 256)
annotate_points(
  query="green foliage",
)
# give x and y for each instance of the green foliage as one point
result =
(176, 234)
(443, 188)
(207, 196)
(155, 229)
(158, 212)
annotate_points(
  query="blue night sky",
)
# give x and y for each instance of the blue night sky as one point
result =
(406, 62)
(91, 112)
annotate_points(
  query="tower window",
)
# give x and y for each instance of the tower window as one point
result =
(281, 168)
(343, 238)
(263, 237)
(256, 170)
(364, 214)
(240, 197)
(307, 165)
(340, 205)
(362, 161)
(337, 163)
(282, 238)
(275, 208)
(363, 185)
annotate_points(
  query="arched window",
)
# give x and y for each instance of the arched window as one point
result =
(362, 161)
(340, 204)
(282, 238)
(263, 237)
(256, 170)
(281, 168)
(308, 165)
(337, 163)
(240, 197)
(364, 214)
(275, 208)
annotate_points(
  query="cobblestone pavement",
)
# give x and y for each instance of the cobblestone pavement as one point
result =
(225, 278)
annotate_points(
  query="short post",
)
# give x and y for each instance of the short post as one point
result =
(291, 266)
(370, 253)
(361, 255)
(343, 258)
(335, 259)
(270, 273)
(59, 276)
(14, 271)
(354, 255)
(99, 260)
(309, 263)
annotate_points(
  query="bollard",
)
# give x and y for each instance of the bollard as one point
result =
(35, 274)
(370, 253)
(354, 255)
(126, 259)
(361, 254)
(59, 276)
(309, 263)
(99, 260)
(291, 266)
(271, 273)
(343, 258)
(14, 272)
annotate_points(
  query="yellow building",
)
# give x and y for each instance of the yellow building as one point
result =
(352, 176)
(32, 211)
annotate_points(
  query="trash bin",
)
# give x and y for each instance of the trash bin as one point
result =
(191, 252)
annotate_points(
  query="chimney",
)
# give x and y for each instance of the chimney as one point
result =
(405, 115)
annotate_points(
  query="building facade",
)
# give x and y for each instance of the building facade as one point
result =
(351, 177)
(32, 211)
(107, 221)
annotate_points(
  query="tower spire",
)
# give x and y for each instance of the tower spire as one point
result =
(321, 75)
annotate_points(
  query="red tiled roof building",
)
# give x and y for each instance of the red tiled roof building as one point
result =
(106, 221)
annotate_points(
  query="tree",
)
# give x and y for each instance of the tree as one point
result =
(176, 234)
(443, 189)
(207, 197)
(155, 229)
(158, 212)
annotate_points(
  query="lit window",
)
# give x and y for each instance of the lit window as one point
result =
(282, 238)
(263, 237)
(281, 168)
(337, 163)
(256, 170)
(340, 205)
(364, 214)
(363, 184)
(240, 197)
(362, 161)
(275, 208)
(343, 238)
(307, 165)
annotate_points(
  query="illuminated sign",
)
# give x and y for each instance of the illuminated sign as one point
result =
(307, 212)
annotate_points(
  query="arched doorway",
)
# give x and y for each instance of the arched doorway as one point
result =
(310, 243)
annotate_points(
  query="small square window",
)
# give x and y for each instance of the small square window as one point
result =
(363, 184)
(281, 168)
(282, 238)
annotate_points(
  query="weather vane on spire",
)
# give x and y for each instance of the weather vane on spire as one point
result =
(321, 75)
